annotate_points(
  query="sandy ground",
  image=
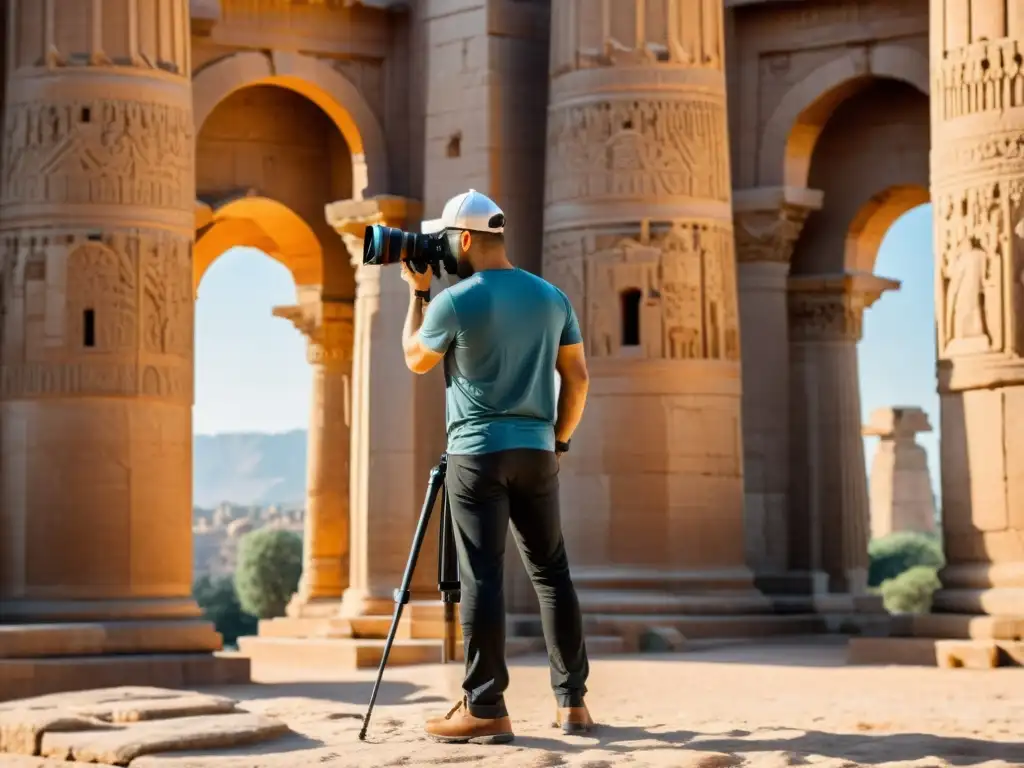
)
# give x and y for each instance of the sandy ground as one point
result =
(763, 706)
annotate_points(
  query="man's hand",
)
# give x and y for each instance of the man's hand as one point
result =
(416, 281)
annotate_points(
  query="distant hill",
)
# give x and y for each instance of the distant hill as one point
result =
(249, 468)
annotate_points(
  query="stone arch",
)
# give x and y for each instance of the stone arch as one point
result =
(314, 79)
(873, 220)
(791, 132)
(258, 222)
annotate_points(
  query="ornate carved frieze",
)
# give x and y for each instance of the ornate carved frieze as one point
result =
(638, 148)
(97, 152)
(768, 235)
(986, 76)
(831, 307)
(815, 316)
(677, 285)
(123, 324)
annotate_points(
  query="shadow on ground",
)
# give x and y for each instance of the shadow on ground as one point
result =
(343, 692)
(865, 749)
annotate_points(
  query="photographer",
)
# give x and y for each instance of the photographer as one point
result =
(502, 333)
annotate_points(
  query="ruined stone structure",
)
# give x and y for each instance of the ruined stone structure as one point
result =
(708, 181)
(900, 486)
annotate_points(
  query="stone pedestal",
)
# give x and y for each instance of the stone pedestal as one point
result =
(900, 486)
(328, 327)
(978, 198)
(768, 223)
(96, 213)
(828, 531)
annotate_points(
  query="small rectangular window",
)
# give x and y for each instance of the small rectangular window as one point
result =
(89, 328)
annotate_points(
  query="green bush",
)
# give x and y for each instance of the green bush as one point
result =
(268, 570)
(911, 591)
(217, 599)
(898, 552)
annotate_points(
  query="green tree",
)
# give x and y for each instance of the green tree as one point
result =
(268, 570)
(898, 552)
(911, 591)
(219, 603)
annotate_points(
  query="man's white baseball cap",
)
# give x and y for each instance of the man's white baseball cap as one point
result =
(470, 210)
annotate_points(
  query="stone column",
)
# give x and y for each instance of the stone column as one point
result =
(978, 194)
(327, 326)
(900, 488)
(96, 209)
(829, 495)
(386, 485)
(639, 234)
(768, 223)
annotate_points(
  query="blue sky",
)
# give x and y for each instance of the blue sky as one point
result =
(251, 372)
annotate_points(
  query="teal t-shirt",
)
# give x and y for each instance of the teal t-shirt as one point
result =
(500, 331)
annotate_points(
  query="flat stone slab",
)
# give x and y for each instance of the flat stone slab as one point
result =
(115, 725)
(120, 745)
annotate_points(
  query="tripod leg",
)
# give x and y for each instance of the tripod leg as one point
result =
(402, 594)
(448, 578)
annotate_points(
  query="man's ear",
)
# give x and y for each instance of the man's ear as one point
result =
(465, 240)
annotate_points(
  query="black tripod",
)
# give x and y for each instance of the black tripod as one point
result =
(447, 576)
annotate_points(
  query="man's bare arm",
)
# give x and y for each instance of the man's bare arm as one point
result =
(572, 397)
(418, 357)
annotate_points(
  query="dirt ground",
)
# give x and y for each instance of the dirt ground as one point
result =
(742, 706)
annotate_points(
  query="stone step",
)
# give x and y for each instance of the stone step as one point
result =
(358, 653)
(956, 626)
(932, 652)
(723, 603)
(710, 627)
(336, 653)
(21, 678)
(659, 580)
(108, 637)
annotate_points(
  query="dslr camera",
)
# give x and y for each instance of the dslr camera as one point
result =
(389, 245)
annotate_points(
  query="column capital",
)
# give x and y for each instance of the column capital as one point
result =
(350, 218)
(767, 221)
(897, 423)
(327, 325)
(831, 307)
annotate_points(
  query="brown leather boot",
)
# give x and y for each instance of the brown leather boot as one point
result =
(573, 719)
(460, 726)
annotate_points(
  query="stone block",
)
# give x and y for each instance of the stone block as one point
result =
(119, 746)
(967, 654)
(660, 639)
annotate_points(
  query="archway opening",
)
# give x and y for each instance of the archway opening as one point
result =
(268, 161)
(870, 244)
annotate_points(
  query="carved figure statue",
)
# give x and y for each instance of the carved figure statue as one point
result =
(965, 294)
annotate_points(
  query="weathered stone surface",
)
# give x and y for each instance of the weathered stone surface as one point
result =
(24, 722)
(119, 746)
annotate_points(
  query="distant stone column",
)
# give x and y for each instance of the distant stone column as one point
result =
(327, 326)
(97, 218)
(639, 234)
(386, 489)
(829, 494)
(768, 223)
(900, 487)
(978, 198)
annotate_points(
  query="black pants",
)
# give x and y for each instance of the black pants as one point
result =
(486, 492)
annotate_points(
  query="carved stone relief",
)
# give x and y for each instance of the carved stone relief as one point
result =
(118, 296)
(167, 296)
(972, 244)
(685, 278)
(106, 152)
(768, 235)
(638, 148)
(986, 76)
